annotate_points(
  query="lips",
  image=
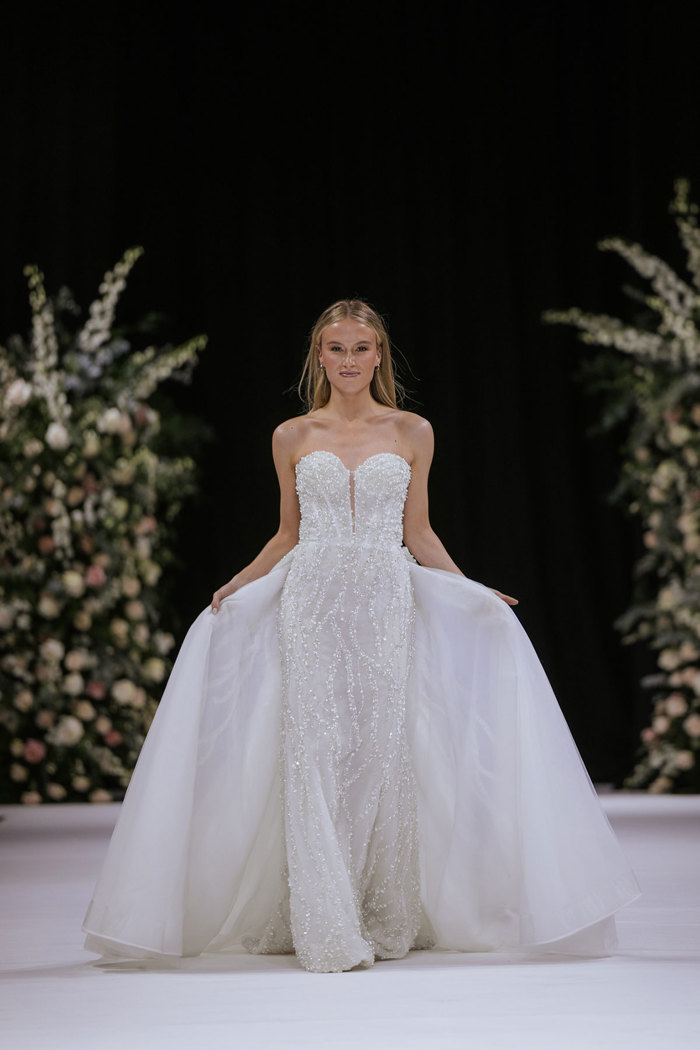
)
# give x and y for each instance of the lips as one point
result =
(349, 373)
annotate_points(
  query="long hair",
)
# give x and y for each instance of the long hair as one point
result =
(314, 388)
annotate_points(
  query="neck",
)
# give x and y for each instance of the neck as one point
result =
(349, 408)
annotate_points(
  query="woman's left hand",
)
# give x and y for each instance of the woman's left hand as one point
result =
(506, 597)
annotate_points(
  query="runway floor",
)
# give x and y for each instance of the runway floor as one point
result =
(57, 995)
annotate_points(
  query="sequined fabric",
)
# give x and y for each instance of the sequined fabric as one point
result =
(346, 631)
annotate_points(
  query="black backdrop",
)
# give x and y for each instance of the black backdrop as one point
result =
(455, 164)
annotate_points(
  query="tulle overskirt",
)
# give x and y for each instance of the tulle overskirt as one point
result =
(516, 852)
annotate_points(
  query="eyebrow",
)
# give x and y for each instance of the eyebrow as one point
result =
(360, 342)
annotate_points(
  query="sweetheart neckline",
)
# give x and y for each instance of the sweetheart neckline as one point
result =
(327, 452)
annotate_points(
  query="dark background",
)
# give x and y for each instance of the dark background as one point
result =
(453, 163)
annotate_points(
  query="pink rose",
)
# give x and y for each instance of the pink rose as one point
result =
(46, 544)
(90, 483)
(96, 690)
(147, 524)
(113, 738)
(30, 798)
(95, 576)
(34, 750)
(141, 415)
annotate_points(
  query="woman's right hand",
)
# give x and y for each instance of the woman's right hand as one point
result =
(223, 592)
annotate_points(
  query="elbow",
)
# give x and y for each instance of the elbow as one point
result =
(416, 538)
(287, 537)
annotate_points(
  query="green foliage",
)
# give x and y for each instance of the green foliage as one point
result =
(93, 473)
(650, 389)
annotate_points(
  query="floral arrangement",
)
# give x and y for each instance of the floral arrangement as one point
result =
(87, 495)
(652, 387)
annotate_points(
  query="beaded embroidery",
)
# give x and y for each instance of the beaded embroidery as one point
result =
(345, 626)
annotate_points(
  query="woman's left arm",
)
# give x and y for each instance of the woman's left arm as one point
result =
(422, 542)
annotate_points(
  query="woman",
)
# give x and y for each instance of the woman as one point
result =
(358, 752)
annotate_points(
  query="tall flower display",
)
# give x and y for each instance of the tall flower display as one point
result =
(652, 387)
(87, 498)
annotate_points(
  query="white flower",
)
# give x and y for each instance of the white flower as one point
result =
(123, 473)
(670, 597)
(135, 609)
(74, 583)
(48, 606)
(163, 642)
(57, 437)
(139, 699)
(678, 434)
(91, 443)
(52, 649)
(67, 732)
(24, 700)
(82, 620)
(154, 669)
(73, 684)
(123, 690)
(76, 659)
(676, 705)
(688, 652)
(692, 725)
(130, 586)
(669, 659)
(6, 617)
(55, 791)
(32, 448)
(691, 543)
(18, 772)
(84, 710)
(142, 634)
(685, 760)
(151, 571)
(18, 393)
(120, 508)
(80, 783)
(119, 629)
(113, 422)
(688, 522)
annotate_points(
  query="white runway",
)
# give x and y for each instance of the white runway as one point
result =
(56, 995)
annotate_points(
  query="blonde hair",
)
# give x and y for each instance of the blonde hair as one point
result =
(314, 388)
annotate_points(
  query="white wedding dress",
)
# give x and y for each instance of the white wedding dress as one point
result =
(355, 757)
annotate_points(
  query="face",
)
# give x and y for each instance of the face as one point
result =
(349, 354)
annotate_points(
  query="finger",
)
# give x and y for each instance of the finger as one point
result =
(505, 597)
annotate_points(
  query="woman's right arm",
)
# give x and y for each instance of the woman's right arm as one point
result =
(284, 442)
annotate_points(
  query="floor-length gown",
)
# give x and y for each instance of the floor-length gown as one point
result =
(358, 756)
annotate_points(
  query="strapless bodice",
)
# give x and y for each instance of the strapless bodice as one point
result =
(363, 506)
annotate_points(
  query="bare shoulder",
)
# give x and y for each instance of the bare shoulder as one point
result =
(287, 436)
(417, 432)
